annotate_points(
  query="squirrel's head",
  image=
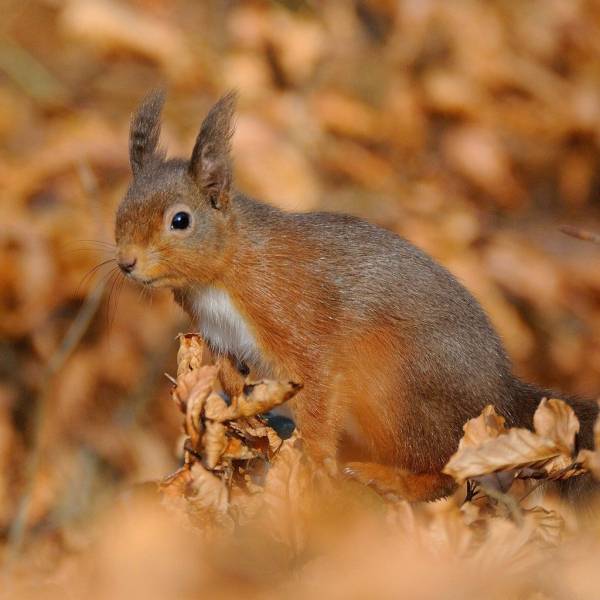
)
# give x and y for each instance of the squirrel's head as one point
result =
(171, 226)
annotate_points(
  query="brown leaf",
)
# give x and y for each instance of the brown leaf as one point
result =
(554, 419)
(237, 450)
(285, 495)
(208, 502)
(196, 397)
(216, 408)
(255, 427)
(207, 490)
(591, 458)
(518, 448)
(176, 484)
(549, 525)
(488, 425)
(488, 448)
(190, 354)
(214, 443)
(112, 26)
(258, 398)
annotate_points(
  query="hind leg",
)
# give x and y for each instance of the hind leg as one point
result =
(414, 487)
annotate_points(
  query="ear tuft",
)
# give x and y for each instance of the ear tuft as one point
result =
(210, 165)
(145, 131)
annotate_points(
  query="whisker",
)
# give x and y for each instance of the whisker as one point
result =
(119, 289)
(86, 246)
(99, 242)
(91, 273)
(111, 286)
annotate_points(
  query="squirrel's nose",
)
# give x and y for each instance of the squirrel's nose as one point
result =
(127, 264)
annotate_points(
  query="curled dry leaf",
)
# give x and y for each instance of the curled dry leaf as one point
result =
(555, 420)
(255, 427)
(519, 448)
(590, 459)
(236, 449)
(176, 484)
(545, 453)
(214, 443)
(257, 398)
(229, 445)
(488, 425)
(196, 397)
(190, 354)
(207, 502)
(215, 408)
(207, 490)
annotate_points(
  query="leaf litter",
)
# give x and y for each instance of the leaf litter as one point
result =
(238, 470)
(421, 116)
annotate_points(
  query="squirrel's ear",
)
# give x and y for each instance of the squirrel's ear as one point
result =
(210, 165)
(145, 130)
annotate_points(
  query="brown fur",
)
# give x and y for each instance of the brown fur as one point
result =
(394, 354)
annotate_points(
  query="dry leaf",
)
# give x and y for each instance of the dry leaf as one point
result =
(111, 25)
(257, 398)
(285, 495)
(194, 402)
(255, 427)
(207, 490)
(554, 419)
(190, 354)
(216, 408)
(548, 525)
(590, 459)
(518, 448)
(488, 425)
(176, 484)
(549, 449)
(214, 443)
(236, 449)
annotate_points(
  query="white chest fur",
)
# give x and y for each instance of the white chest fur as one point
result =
(223, 326)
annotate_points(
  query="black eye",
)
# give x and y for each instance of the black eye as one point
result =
(181, 220)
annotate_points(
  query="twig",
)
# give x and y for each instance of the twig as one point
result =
(75, 332)
(170, 378)
(581, 234)
(71, 340)
(30, 74)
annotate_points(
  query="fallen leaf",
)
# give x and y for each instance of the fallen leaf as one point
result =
(214, 443)
(590, 459)
(488, 425)
(554, 419)
(113, 26)
(257, 398)
(190, 354)
(518, 448)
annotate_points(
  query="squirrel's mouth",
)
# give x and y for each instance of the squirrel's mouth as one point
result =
(150, 281)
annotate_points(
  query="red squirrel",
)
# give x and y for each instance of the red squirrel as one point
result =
(394, 354)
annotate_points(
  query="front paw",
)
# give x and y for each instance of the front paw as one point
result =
(357, 472)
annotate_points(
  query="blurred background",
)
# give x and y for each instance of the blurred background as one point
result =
(472, 128)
